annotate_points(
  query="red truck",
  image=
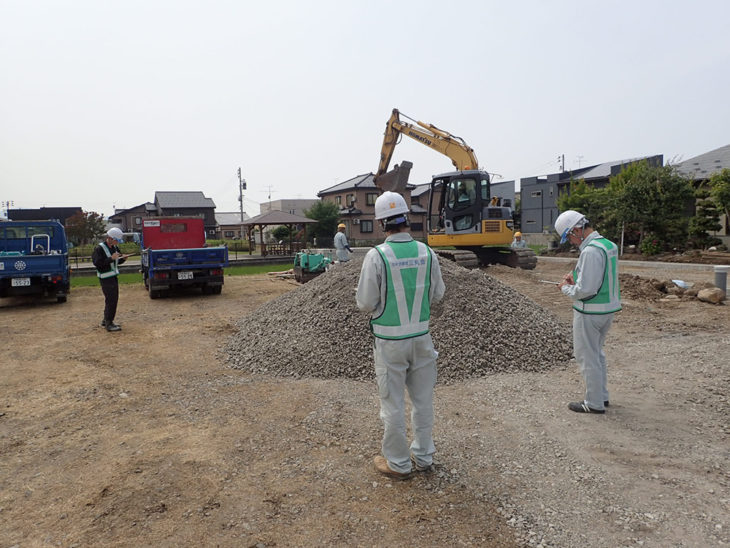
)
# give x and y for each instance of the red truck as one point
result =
(174, 254)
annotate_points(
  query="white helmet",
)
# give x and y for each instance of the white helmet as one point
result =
(566, 221)
(115, 233)
(389, 204)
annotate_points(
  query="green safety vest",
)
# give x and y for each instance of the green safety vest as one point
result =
(608, 298)
(407, 299)
(114, 271)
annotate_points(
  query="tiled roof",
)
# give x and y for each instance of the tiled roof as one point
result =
(278, 218)
(707, 164)
(361, 181)
(231, 218)
(177, 199)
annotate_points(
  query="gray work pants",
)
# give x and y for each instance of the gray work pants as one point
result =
(399, 365)
(589, 335)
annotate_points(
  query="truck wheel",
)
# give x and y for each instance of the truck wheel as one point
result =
(217, 289)
(155, 293)
(61, 299)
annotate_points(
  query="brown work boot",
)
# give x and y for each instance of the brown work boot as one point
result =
(381, 465)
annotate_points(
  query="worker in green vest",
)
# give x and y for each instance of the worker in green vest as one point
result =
(399, 280)
(106, 258)
(594, 288)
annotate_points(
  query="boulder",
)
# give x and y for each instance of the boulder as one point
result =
(714, 295)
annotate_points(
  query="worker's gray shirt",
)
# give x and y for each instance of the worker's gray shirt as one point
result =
(371, 291)
(518, 244)
(589, 271)
(340, 241)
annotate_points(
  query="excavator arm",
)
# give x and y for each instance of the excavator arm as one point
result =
(461, 154)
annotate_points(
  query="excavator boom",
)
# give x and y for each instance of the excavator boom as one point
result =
(462, 155)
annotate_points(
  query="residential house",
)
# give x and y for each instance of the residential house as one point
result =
(130, 220)
(539, 194)
(356, 201)
(296, 206)
(700, 169)
(230, 225)
(187, 204)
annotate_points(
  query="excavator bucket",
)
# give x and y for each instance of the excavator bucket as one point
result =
(396, 179)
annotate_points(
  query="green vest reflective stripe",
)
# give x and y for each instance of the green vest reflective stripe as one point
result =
(608, 298)
(407, 300)
(114, 271)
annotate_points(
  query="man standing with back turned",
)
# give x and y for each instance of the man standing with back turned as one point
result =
(399, 280)
(594, 288)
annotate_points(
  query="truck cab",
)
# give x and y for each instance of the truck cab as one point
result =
(34, 259)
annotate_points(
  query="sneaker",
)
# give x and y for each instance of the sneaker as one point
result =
(381, 465)
(419, 467)
(103, 323)
(581, 407)
(113, 327)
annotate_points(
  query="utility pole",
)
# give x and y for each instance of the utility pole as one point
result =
(241, 188)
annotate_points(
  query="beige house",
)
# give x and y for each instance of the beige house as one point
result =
(356, 200)
(230, 226)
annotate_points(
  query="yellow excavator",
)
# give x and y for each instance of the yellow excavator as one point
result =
(465, 223)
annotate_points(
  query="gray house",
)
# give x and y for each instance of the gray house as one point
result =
(539, 194)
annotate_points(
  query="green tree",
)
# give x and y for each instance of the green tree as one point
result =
(281, 233)
(326, 214)
(654, 201)
(720, 190)
(705, 220)
(85, 227)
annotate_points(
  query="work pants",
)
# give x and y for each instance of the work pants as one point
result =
(589, 335)
(110, 288)
(399, 365)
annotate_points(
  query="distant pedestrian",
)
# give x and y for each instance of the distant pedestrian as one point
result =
(594, 288)
(518, 242)
(399, 281)
(106, 258)
(342, 248)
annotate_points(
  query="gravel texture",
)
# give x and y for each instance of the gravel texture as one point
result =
(481, 326)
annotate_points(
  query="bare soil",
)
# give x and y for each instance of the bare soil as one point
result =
(146, 438)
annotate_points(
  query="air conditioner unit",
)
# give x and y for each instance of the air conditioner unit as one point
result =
(356, 221)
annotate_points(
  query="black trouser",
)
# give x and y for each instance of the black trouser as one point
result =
(110, 288)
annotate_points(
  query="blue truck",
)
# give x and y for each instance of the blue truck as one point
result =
(34, 259)
(175, 255)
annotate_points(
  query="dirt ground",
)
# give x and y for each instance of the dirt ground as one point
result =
(146, 438)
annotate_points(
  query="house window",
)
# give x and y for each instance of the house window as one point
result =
(536, 193)
(370, 198)
(228, 234)
(338, 200)
(366, 226)
(138, 221)
(350, 200)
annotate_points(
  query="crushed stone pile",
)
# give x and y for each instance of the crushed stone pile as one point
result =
(480, 327)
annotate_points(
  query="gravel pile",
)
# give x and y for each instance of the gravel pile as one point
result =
(481, 326)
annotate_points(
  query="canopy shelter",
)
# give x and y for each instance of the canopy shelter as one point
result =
(276, 218)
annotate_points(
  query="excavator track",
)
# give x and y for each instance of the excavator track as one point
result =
(515, 258)
(462, 257)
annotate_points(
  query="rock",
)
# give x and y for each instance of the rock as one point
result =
(714, 295)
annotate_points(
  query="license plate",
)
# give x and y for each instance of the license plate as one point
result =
(20, 282)
(185, 275)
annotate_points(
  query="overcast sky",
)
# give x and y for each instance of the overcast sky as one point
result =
(102, 103)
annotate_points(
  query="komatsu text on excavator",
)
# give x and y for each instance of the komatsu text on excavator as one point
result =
(463, 216)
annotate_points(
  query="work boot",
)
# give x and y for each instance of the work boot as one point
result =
(582, 407)
(113, 327)
(420, 467)
(381, 465)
